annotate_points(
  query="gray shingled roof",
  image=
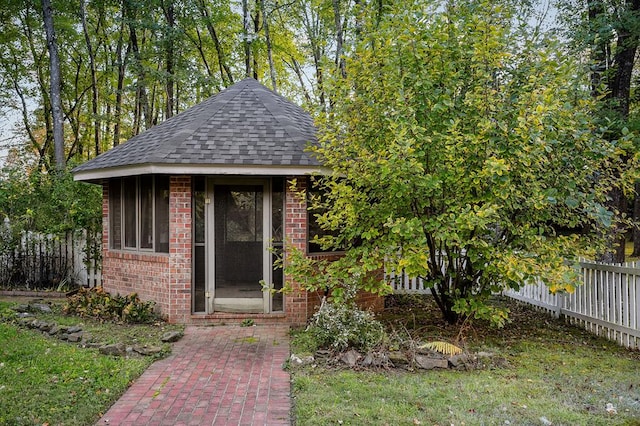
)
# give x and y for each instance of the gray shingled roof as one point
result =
(245, 125)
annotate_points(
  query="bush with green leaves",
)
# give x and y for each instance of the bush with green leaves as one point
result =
(463, 152)
(340, 326)
(99, 304)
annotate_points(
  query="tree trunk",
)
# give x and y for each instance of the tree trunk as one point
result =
(340, 62)
(225, 71)
(246, 41)
(142, 100)
(615, 84)
(636, 221)
(256, 29)
(121, 65)
(56, 85)
(265, 24)
(94, 79)
(169, 13)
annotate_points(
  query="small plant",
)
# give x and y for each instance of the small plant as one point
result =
(8, 315)
(247, 322)
(444, 348)
(339, 326)
(99, 304)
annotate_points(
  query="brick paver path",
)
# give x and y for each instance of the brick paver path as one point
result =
(223, 375)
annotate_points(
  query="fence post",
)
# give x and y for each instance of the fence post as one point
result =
(637, 309)
(558, 305)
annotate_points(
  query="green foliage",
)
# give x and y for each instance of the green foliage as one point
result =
(340, 326)
(97, 303)
(45, 381)
(545, 377)
(36, 201)
(247, 322)
(463, 152)
(7, 314)
(47, 207)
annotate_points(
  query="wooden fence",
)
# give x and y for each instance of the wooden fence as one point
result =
(607, 303)
(50, 262)
(402, 284)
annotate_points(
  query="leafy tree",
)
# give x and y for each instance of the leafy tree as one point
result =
(462, 152)
(608, 34)
(54, 73)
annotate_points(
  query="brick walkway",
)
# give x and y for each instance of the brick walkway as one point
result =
(223, 375)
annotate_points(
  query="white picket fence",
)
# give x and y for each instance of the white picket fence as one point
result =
(606, 304)
(40, 261)
(402, 283)
(87, 270)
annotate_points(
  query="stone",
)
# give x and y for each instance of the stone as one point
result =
(21, 308)
(116, 349)
(351, 357)
(54, 330)
(429, 363)
(295, 359)
(74, 329)
(35, 323)
(171, 336)
(147, 350)
(75, 337)
(42, 307)
(398, 358)
(44, 326)
(375, 359)
(25, 315)
(461, 361)
(26, 322)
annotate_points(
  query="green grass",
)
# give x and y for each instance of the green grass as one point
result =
(555, 371)
(47, 381)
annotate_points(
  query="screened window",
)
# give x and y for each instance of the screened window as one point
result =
(115, 215)
(314, 229)
(139, 213)
(130, 190)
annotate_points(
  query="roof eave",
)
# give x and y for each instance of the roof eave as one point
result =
(97, 175)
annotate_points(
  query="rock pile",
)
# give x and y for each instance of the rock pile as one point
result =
(407, 360)
(76, 334)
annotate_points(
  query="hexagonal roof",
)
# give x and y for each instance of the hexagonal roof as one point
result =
(246, 129)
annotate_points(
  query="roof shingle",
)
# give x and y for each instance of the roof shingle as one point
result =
(246, 124)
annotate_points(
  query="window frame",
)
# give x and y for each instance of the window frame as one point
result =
(124, 221)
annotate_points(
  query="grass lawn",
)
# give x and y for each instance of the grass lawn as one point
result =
(47, 381)
(556, 374)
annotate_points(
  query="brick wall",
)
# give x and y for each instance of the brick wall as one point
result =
(166, 278)
(180, 249)
(300, 305)
(295, 231)
(161, 277)
(126, 272)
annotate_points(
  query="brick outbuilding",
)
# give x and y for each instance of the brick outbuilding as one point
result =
(196, 209)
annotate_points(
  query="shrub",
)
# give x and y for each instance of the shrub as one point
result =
(99, 304)
(8, 315)
(339, 326)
